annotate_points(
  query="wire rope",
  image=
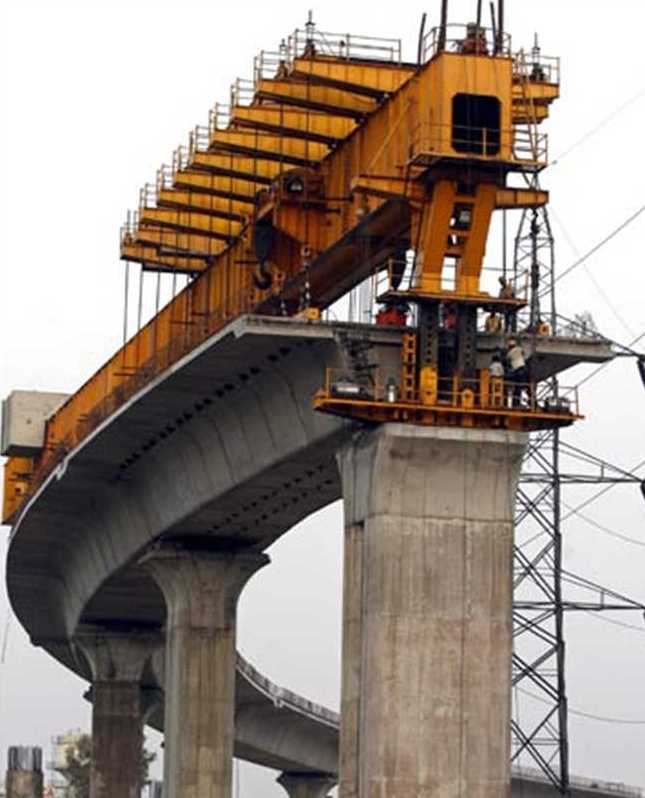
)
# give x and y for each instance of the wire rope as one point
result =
(589, 715)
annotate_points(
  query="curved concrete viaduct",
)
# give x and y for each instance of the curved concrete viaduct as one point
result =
(223, 453)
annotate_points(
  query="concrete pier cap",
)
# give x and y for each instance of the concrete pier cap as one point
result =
(117, 658)
(306, 785)
(427, 625)
(201, 588)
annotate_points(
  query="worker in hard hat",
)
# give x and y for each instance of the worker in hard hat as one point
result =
(517, 370)
(507, 291)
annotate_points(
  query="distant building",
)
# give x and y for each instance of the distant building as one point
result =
(57, 766)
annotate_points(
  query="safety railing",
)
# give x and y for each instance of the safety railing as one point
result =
(148, 196)
(343, 46)
(536, 68)
(268, 64)
(614, 787)
(242, 92)
(483, 392)
(165, 177)
(581, 327)
(405, 275)
(180, 159)
(522, 145)
(466, 39)
(129, 228)
(219, 117)
(199, 140)
(186, 334)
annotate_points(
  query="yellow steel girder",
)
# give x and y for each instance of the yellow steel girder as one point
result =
(206, 203)
(297, 152)
(178, 242)
(232, 165)
(371, 80)
(294, 122)
(150, 256)
(318, 98)
(203, 223)
(228, 187)
(538, 93)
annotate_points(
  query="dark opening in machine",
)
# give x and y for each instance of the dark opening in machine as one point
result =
(476, 124)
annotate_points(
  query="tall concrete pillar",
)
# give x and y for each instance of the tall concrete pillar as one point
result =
(427, 612)
(117, 660)
(24, 772)
(306, 785)
(201, 591)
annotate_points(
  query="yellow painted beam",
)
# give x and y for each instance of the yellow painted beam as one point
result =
(257, 169)
(289, 121)
(510, 198)
(371, 80)
(150, 258)
(202, 223)
(206, 203)
(229, 187)
(387, 187)
(525, 113)
(287, 150)
(317, 98)
(178, 242)
(542, 93)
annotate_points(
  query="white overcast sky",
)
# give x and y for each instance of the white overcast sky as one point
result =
(96, 95)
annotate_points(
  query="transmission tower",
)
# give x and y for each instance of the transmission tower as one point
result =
(541, 734)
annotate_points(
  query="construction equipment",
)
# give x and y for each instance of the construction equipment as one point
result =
(339, 161)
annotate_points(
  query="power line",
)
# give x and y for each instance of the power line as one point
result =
(614, 622)
(591, 276)
(591, 132)
(600, 493)
(588, 715)
(606, 530)
(599, 245)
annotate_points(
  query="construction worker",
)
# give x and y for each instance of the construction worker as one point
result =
(507, 291)
(475, 41)
(493, 323)
(496, 386)
(449, 312)
(496, 367)
(518, 372)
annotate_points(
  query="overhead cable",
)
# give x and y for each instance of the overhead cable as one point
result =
(598, 127)
(588, 715)
(599, 245)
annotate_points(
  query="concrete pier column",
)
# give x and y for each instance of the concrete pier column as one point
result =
(117, 660)
(24, 772)
(201, 589)
(306, 785)
(427, 612)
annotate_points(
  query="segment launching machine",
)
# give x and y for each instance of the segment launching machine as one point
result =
(339, 164)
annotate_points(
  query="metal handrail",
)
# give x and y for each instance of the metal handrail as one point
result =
(344, 46)
(199, 140)
(536, 68)
(242, 92)
(493, 393)
(527, 145)
(455, 38)
(268, 64)
(406, 275)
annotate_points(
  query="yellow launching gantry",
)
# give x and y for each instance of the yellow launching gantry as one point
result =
(335, 164)
(336, 161)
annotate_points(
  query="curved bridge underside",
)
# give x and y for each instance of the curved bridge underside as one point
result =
(222, 450)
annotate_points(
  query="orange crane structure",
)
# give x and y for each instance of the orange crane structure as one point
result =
(336, 163)
(341, 166)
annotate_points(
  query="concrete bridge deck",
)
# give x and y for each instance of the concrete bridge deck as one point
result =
(223, 450)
